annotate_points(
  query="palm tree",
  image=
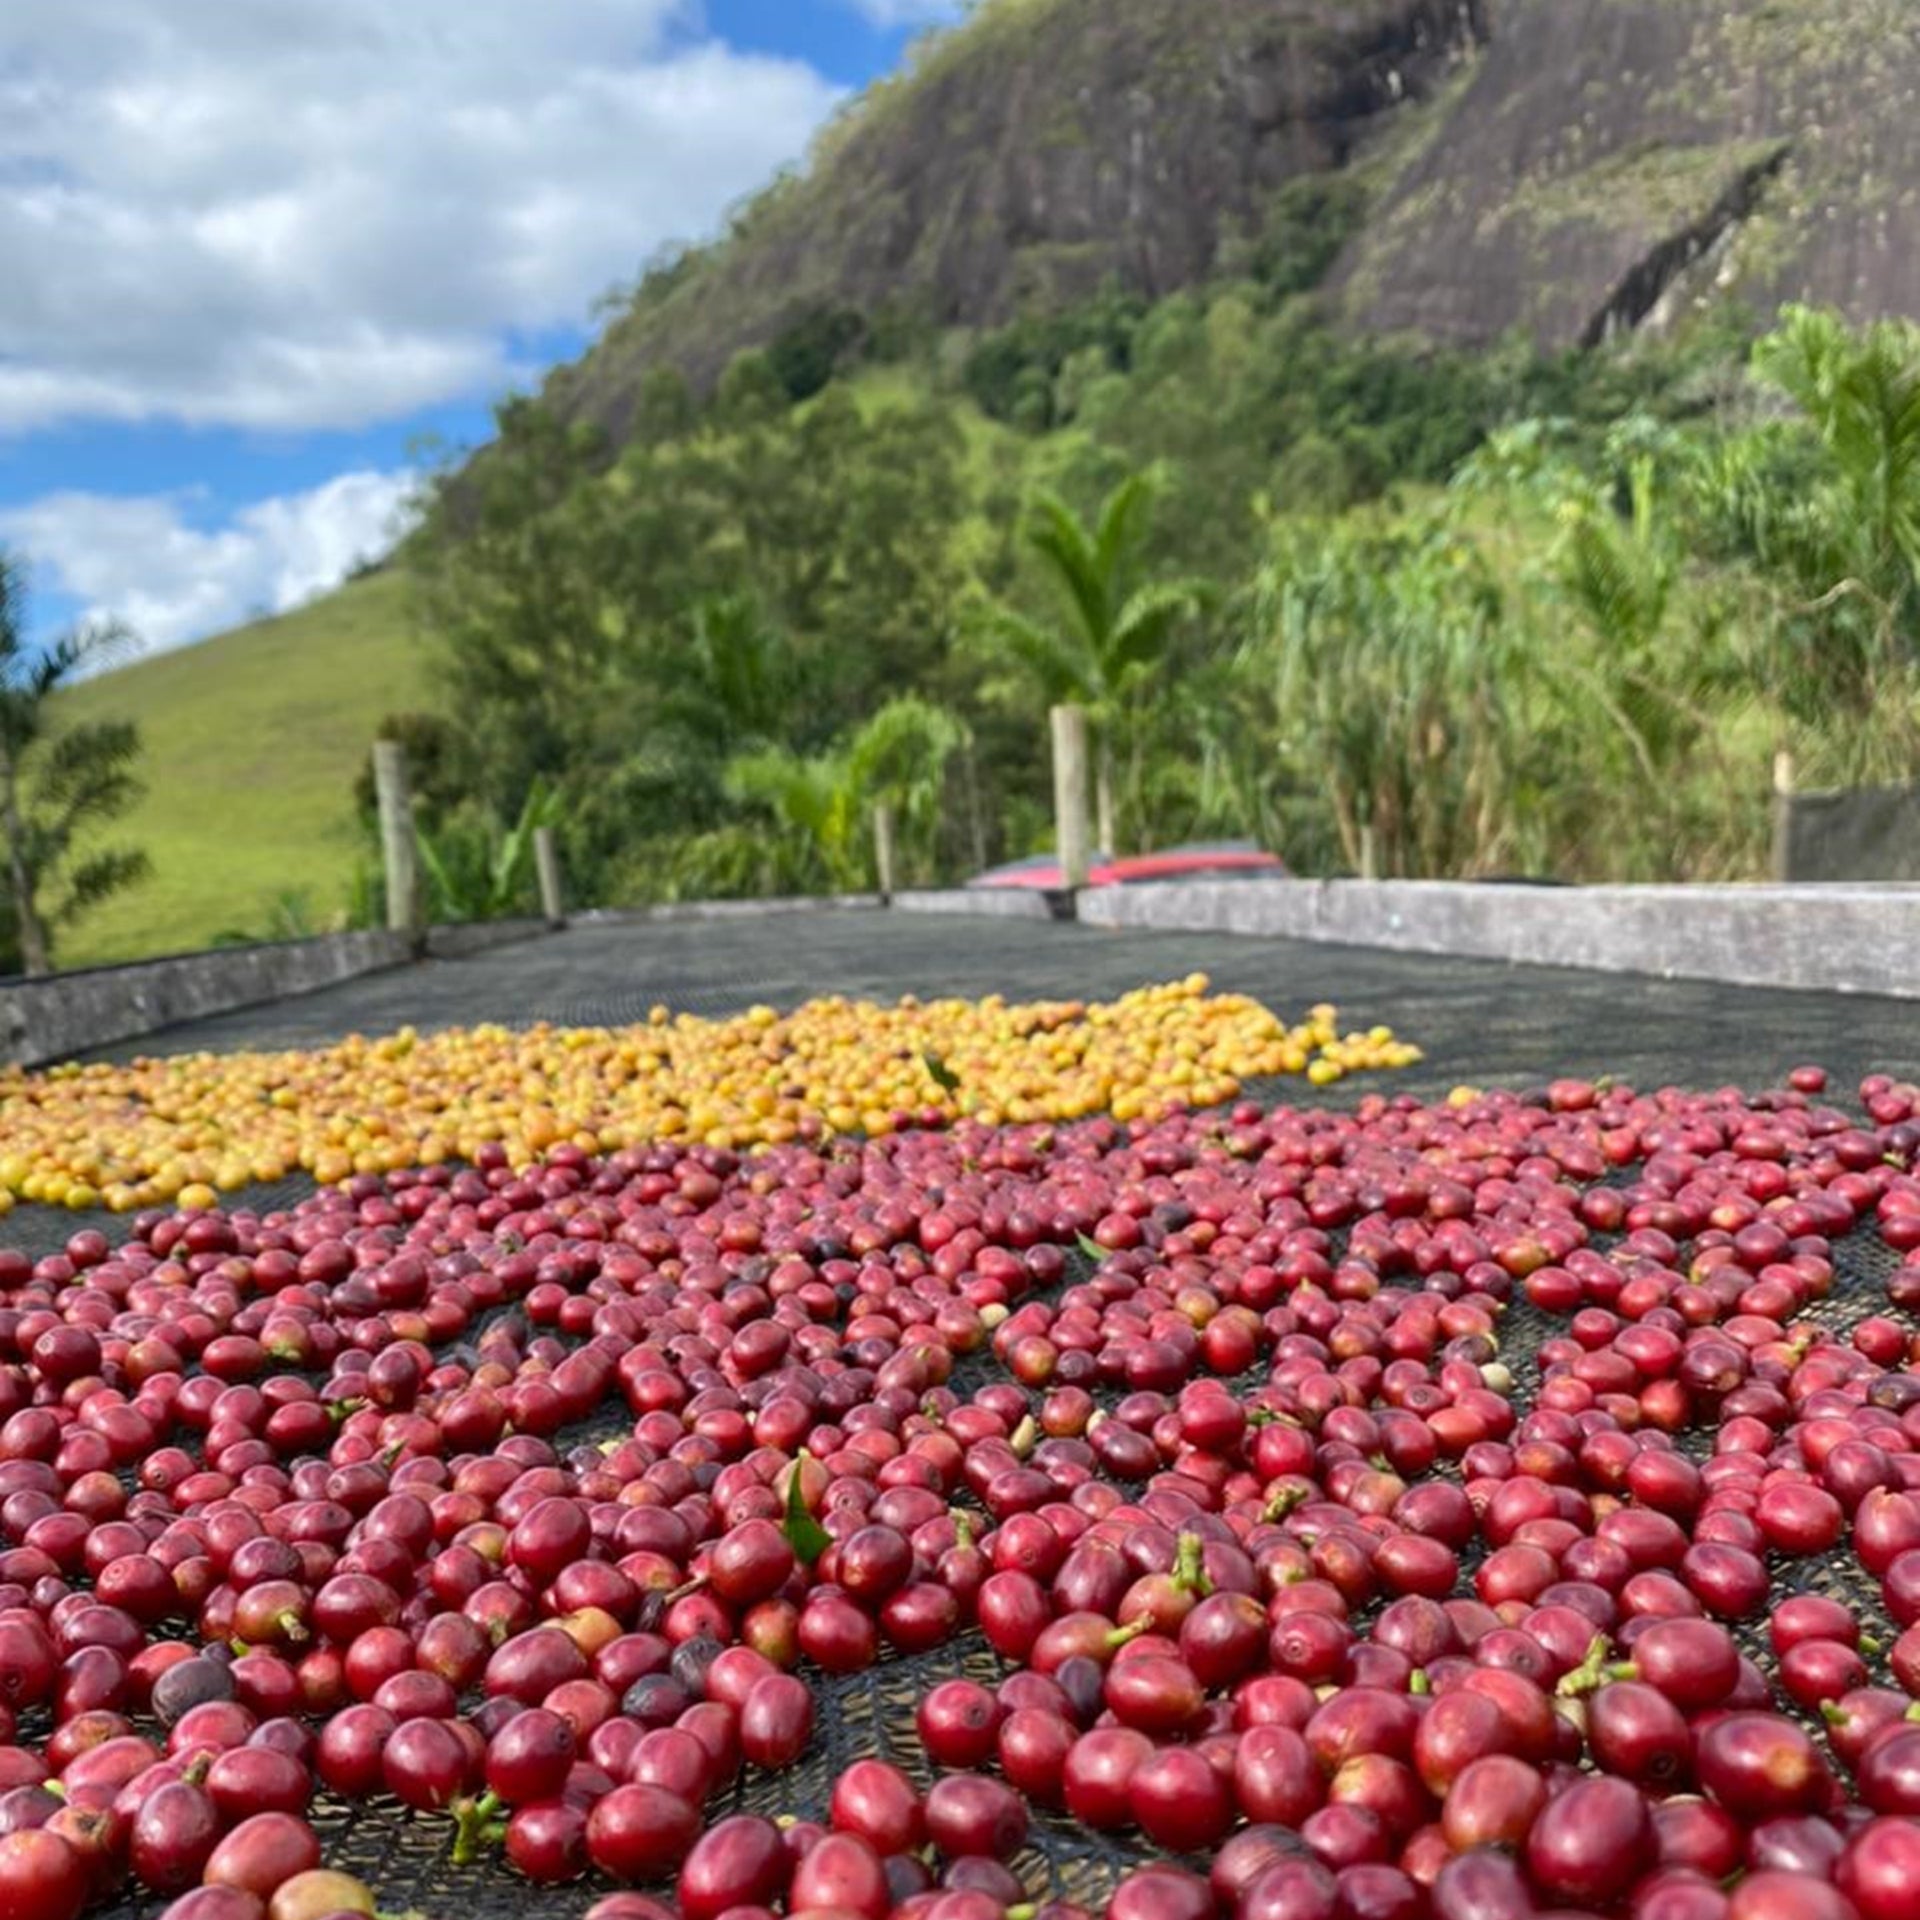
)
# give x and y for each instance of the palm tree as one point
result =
(1115, 632)
(813, 806)
(1861, 395)
(56, 787)
(898, 758)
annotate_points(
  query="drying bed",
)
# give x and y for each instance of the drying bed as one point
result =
(1456, 1396)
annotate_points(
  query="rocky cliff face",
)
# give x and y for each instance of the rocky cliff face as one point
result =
(1045, 149)
(1614, 163)
(1563, 168)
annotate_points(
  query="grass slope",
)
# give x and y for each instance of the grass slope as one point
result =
(252, 743)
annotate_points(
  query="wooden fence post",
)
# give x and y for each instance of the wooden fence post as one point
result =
(546, 860)
(883, 848)
(1783, 816)
(399, 850)
(1070, 794)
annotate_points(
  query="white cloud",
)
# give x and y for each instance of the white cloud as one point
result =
(319, 213)
(144, 560)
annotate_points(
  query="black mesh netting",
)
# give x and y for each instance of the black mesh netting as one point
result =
(1478, 1020)
(1479, 1023)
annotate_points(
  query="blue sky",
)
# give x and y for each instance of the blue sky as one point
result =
(262, 252)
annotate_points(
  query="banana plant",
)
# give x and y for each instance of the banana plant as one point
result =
(477, 872)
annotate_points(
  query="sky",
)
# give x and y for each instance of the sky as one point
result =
(259, 259)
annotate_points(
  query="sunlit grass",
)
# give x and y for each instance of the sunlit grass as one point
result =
(252, 743)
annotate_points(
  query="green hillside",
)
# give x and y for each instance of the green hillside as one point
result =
(252, 742)
(1439, 385)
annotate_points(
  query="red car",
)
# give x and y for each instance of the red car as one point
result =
(1223, 860)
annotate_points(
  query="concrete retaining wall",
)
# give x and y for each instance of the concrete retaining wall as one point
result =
(479, 936)
(993, 903)
(728, 909)
(52, 1019)
(998, 903)
(1852, 835)
(1848, 939)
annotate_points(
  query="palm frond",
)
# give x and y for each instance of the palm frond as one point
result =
(797, 791)
(1621, 587)
(738, 657)
(1055, 534)
(902, 744)
(1140, 631)
(87, 772)
(447, 891)
(1060, 668)
(98, 877)
(1122, 524)
(1861, 394)
(92, 647)
(512, 864)
(13, 611)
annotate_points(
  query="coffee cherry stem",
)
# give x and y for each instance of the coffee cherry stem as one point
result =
(1594, 1671)
(1189, 1575)
(476, 1826)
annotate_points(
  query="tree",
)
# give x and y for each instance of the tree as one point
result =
(734, 676)
(1638, 636)
(56, 786)
(1228, 719)
(1861, 394)
(437, 776)
(664, 408)
(899, 758)
(807, 355)
(769, 575)
(1115, 631)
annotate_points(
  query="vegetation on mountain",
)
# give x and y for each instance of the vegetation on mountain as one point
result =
(1553, 617)
(1016, 165)
(1453, 172)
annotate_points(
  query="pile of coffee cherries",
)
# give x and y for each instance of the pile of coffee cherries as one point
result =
(185, 1128)
(545, 1501)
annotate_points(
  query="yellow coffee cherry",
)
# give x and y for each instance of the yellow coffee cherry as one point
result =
(189, 1127)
